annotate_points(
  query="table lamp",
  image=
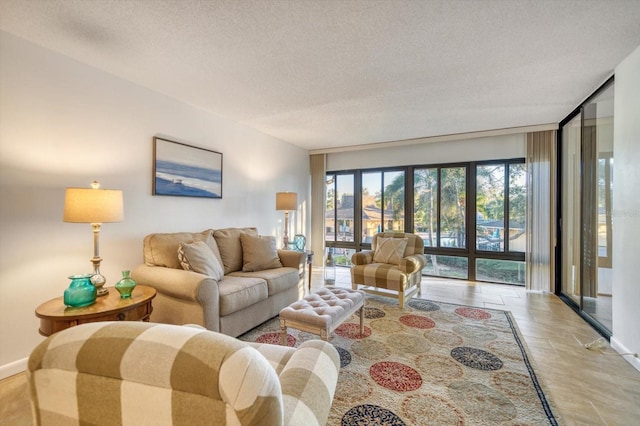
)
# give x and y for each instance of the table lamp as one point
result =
(95, 206)
(286, 201)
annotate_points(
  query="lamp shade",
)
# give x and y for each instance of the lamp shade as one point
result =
(286, 201)
(87, 205)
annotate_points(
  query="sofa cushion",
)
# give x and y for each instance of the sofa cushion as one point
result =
(161, 249)
(228, 241)
(278, 280)
(198, 257)
(240, 292)
(259, 252)
(390, 250)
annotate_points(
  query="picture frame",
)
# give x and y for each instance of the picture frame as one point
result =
(183, 170)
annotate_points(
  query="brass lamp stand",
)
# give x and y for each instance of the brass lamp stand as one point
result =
(286, 201)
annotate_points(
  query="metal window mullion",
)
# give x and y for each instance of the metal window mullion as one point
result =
(507, 201)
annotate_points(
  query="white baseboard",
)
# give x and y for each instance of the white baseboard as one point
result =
(621, 349)
(13, 368)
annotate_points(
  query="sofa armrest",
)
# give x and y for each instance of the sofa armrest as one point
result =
(309, 381)
(362, 258)
(413, 263)
(176, 283)
(292, 259)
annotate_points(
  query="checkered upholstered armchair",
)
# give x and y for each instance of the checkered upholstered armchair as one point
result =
(136, 373)
(392, 268)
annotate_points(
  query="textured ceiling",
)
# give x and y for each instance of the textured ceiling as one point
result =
(326, 73)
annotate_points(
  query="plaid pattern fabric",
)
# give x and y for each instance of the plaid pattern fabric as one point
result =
(402, 279)
(362, 258)
(390, 250)
(415, 245)
(136, 373)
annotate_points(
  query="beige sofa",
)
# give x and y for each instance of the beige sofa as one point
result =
(243, 280)
(136, 373)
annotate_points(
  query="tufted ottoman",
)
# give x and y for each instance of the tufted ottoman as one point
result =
(322, 312)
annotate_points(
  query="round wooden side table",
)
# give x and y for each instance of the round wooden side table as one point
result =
(55, 316)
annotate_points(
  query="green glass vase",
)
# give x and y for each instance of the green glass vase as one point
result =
(126, 285)
(80, 292)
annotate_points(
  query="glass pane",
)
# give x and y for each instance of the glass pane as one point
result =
(517, 207)
(602, 222)
(570, 188)
(344, 206)
(371, 205)
(394, 201)
(342, 256)
(500, 271)
(447, 266)
(596, 226)
(329, 213)
(490, 207)
(453, 207)
(605, 199)
(425, 205)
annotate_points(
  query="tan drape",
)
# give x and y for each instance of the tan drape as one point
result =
(318, 188)
(541, 177)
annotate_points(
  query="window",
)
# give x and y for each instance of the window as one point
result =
(453, 207)
(382, 203)
(425, 205)
(433, 202)
(339, 219)
(495, 196)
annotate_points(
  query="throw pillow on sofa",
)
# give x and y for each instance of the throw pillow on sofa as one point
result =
(259, 253)
(228, 241)
(199, 257)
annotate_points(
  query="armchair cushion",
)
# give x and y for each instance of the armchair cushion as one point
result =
(390, 250)
(199, 257)
(259, 253)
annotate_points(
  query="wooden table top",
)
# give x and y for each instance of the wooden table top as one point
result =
(55, 308)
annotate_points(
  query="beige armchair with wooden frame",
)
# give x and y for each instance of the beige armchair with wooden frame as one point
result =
(392, 268)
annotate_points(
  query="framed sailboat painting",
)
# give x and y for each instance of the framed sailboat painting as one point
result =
(186, 171)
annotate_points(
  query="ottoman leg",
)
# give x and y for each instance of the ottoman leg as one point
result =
(362, 320)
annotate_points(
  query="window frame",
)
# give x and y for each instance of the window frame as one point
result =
(469, 252)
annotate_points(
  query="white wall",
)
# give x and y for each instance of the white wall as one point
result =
(65, 124)
(486, 148)
(626, 209)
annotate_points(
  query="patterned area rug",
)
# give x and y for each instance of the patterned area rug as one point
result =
(432, 363)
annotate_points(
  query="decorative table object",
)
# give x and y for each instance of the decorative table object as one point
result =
(329, 269)
(80, 292)
(126, 285)
(299, 241)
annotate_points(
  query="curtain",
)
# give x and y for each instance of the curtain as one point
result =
(540, 254)
(318, 188)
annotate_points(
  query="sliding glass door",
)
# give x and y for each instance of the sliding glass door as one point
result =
(586, 201)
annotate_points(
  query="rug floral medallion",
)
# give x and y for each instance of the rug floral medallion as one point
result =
(431, 363)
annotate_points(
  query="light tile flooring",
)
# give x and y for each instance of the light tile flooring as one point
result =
(587, 387)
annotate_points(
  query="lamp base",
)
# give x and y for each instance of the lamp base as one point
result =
(98, 280)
